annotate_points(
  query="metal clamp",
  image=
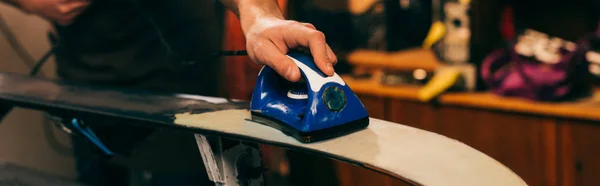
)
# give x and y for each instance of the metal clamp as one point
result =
(239, 164)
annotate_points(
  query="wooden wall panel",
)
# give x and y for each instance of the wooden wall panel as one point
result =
(350, 175)
(579, 153)
(344, 173)
(235, 66)
(414, 114)
(525, 144)
(375, 106)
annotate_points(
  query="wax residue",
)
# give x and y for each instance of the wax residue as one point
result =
(216, 117)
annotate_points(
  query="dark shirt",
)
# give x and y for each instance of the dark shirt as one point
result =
(114, 43)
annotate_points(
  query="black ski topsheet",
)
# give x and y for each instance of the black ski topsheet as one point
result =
(134, 107)
(86, 102)
(131, 106)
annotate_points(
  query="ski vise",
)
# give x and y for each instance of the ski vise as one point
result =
(231, 164)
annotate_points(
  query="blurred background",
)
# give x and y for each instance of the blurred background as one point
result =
(516, 80)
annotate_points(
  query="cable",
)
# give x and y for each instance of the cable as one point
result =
(15, 44)
(233, 53)
(35, 67)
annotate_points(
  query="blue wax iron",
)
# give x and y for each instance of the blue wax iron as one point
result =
(316, 108)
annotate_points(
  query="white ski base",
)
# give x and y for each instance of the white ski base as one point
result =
(407, 153)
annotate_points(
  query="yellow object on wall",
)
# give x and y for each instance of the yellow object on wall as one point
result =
(436, 32)
(441, 81)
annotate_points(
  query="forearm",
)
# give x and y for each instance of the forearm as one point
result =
(249, 11)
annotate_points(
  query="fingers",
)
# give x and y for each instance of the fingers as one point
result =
(70, 10)
(269, 44)
(72, 7)
(331, 56)
(315, 41)
(320, 52)
(275, 59)
(311, 26)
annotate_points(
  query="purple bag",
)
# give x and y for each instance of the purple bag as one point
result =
(524, 70)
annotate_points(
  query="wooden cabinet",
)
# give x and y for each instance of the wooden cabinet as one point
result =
(579, 153)
(350, 175)
(375, 105)
(411, 113)
(545, 150)
(525, 144)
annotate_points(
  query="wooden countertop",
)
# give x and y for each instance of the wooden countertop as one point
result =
(408, 59)
(369, 87)
(586, 109)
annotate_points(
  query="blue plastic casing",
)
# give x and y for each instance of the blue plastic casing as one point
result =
(270, 98)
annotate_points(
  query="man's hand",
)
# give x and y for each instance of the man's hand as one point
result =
(269, 38)
(268, 41)
(62, 12)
